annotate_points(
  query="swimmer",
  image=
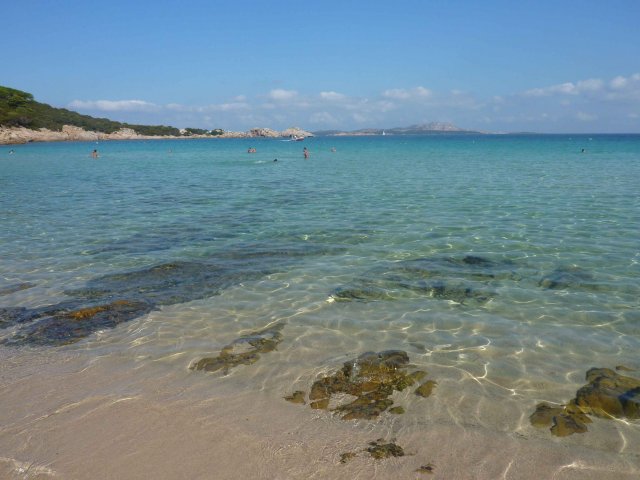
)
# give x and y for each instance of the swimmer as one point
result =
(94, 154)
(305, 152)
(333, 149)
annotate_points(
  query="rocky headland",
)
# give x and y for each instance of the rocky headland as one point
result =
(19, 135)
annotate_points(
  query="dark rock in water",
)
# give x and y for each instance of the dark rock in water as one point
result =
(65, 327)
(14, 315)
(607, 395)
(361, 293)
(426, 389)
(569, 277)
(462, 280)
(345, 457)
(565, 425)
(147, 288)
(379, 450)
(242, 351)
(15, 288)
(170, 283)
(544, 414)
(371, 378)
(426, 469)
(19, 315)
(296, 397)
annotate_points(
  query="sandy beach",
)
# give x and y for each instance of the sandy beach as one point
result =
(71, 416)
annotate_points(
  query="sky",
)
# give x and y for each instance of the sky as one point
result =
(561, 66)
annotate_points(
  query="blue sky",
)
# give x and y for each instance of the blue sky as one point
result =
(545, 66)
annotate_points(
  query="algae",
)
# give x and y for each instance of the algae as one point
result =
(371, 378)
(427, 469)
(380, 450)
(426, 389)
(245, 350)
(296, 397)
(61, 326)
(606, 395)
(462, 280)
(17, 287)
(345, 457)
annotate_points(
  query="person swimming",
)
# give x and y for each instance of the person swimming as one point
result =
(305, 152)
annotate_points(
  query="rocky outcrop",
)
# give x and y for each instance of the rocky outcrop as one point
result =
(17, 135)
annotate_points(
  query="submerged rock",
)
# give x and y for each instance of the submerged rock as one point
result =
(461, 280)
(379, 450)
(242, 351)
(170, 283)
(426, 389)
(62, 326)
(15, 288)
(371, 378)
(147, 288)
(428, 469)
(345, 457)
(569, 277)
(296, 397)
(607, 395)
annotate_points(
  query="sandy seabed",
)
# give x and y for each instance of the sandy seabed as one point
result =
(68, 415)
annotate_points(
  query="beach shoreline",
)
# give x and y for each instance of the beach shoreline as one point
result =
(68, 415)
(69, 133)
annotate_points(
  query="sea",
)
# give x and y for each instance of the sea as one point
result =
(504, 266)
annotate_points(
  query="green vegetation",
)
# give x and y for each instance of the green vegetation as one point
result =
(19, 109)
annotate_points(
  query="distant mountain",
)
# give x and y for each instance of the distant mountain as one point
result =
(433, 128)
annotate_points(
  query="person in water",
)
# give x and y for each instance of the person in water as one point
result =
(251, 150)
(94, 154)
(305, 152)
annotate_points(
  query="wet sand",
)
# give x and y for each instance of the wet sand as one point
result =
(73, 416)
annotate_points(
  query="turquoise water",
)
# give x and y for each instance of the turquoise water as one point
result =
(505, 265)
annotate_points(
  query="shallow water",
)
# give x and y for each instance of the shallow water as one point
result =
(505, 266)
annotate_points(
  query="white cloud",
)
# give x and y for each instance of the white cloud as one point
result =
(281, 95)
(114, 105)
(402, 94)
(590, 85)
(422, 92)
(332, 96)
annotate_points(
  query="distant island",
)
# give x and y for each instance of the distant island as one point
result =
(24, 120)
(433, 128)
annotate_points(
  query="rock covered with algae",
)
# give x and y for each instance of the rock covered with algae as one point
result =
(131, 294)
(606, 395)
(462, 280)
(371, 378)
(380, 449)
(242, 351)
(296, 397)
(63, 325)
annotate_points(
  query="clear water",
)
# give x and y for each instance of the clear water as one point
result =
(533, 205)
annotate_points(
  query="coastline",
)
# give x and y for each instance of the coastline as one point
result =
(69, 133)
